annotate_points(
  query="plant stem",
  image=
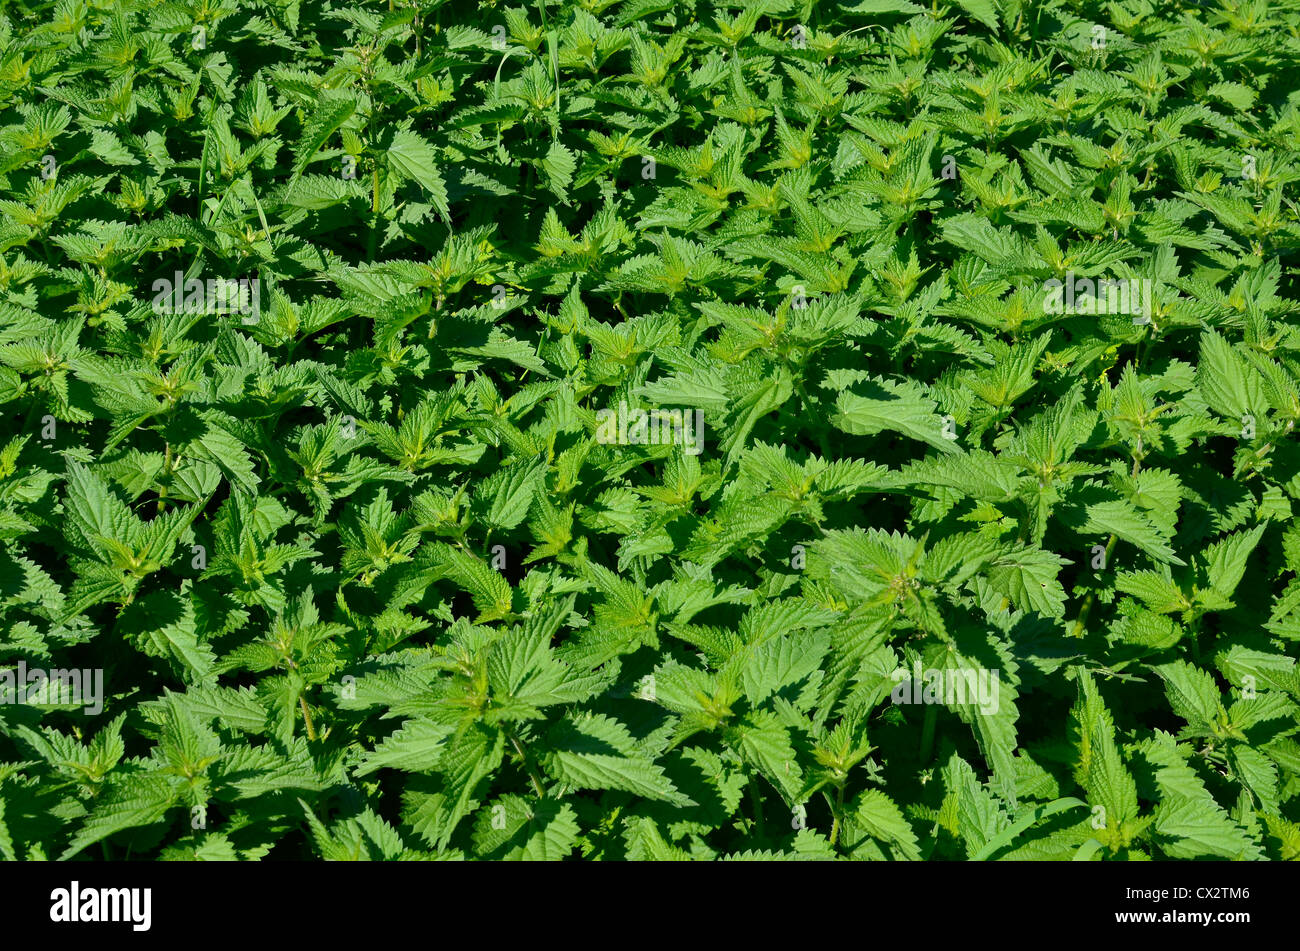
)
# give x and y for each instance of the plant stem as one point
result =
(927, 731)
(1077, 630)
(528, 766)
(757, 802)
(306, 716)
(835, 815)
(372, 241)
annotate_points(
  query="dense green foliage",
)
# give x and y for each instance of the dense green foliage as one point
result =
(378, 555)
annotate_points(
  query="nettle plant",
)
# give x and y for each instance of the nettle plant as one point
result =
(650, 430)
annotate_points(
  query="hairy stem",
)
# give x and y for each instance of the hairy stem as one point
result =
(927, 731)
(306, 717)
(836, 812)
(1077, 630)
(528, 766)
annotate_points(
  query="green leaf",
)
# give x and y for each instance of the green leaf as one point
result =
(985, 11)
(1231, 387)
(411, 157)
(596, 752)
(1192, 693)
(880, 818)
(416, 747)
(135, 800)
(893, 407)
